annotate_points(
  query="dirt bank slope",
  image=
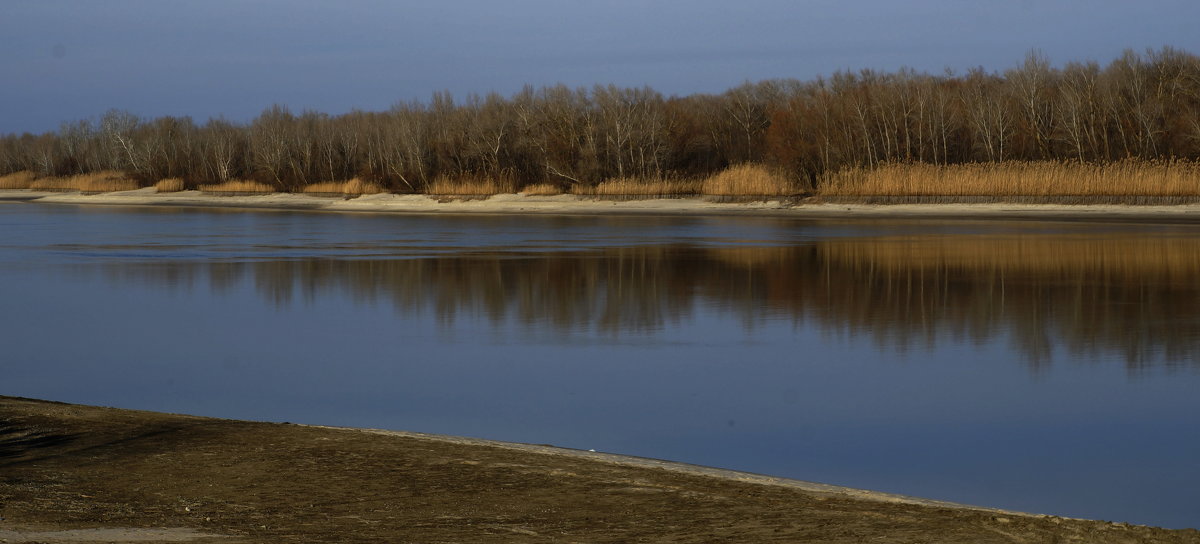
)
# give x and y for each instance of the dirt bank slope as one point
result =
(67, 468)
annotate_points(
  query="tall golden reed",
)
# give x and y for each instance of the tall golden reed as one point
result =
(473, 186)
(17, 180)
(739, 180)
(638, 187)
(238, 186)
(748, 180)
(541, 189)
(169, 185)
(351, 187)
(1039, 178)
(105, 181)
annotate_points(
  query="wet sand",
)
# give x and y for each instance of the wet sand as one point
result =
(582, 205)
(71, 473)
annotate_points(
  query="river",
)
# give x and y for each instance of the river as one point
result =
(1050, 367)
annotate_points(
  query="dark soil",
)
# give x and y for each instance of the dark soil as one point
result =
(66, 467)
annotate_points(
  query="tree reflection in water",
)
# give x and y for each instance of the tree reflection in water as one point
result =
(1134, 297)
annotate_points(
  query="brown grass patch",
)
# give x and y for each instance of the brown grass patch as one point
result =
(17, 180)
(53, 184)
(542, 189)
(444, 185)
(748, 180)
(639, 187)
(238, 186)
(354, 186)
(105, 181)
(1040, 178)
(169, 185)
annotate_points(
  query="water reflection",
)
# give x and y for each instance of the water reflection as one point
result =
(1132, 297)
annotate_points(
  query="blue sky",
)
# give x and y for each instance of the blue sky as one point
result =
(68, 60)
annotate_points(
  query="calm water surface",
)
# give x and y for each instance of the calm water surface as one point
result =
(1038, 366)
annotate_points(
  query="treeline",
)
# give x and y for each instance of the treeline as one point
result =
(1140, 106)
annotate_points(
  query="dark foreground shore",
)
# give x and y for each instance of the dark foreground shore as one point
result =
(73, 473)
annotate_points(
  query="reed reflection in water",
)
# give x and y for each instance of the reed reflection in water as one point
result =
(1131, 297)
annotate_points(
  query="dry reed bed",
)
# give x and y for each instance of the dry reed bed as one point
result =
(239, 186)
(17, 180)
(169, 185)
(638, 187)
(105, 181)
(1168, 258)
(749, 180)
(542, 189)
(1040, 178)
(1147, 182)
(470, 186)
(352, 187)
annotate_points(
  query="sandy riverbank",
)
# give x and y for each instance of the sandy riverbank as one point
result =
(72, 473)
(582, 205)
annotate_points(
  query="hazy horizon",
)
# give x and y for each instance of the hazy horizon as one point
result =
(76, 60)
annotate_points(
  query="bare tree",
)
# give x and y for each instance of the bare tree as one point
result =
(223, 151)
(990, 118)
(118, 126)
(270, 143)
(1032, 87)
(1080, 123)
(748, 108)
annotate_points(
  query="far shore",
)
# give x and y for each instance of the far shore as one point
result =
(587, 205)
(77, 473)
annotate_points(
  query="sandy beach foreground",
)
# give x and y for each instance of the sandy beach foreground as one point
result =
(72, 473)
(582, 205)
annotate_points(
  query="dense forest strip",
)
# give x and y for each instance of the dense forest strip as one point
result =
(1141, 111)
